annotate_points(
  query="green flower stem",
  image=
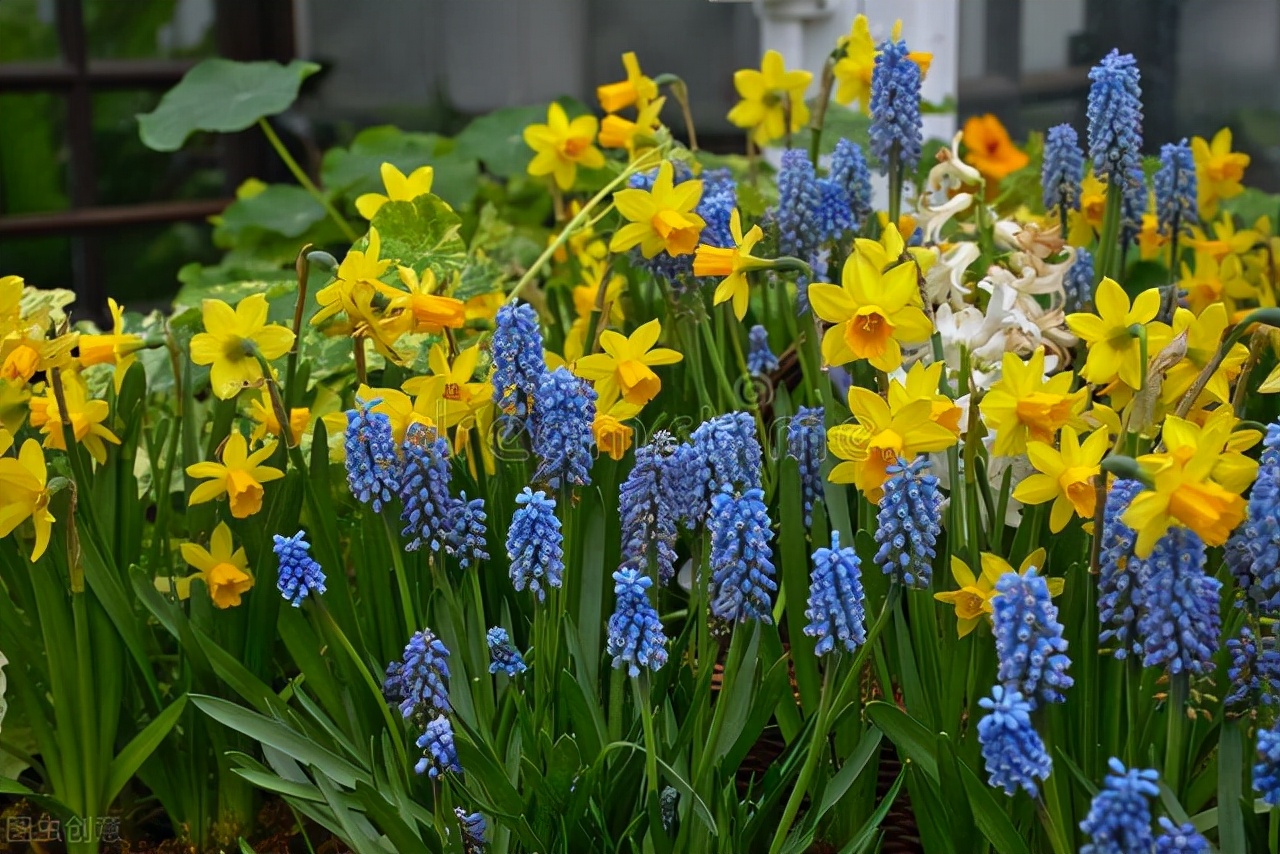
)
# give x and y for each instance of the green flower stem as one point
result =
(1109, 240)
(645, 707)
(1265, 316)
(1175, 747)
(302, 264)
(722, 379)
(680, 91)
(407, 603)
(895, 185)
(306, 182)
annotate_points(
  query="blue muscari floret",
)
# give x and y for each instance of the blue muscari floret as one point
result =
(1175, 183)
(416, 683)
(1253, 553)
(1078, 283)
(1115, 116)
(1254, 671)
(636, 639)
(518, 363)
(730, 451)
(1266, 772)
(1119, 819)
(300, 576)
(429, 510)
(535, 544)
(469, 537)
(1120, 574)
(760, 359)
(564, 407)
(373, 469)
(1179, 623)
(799, 198)
(742, 575)
(849, 171)
(647, 510)
(439, 752)
(1180, 838)
(473, 830)
(807, 445)
(895, 108)
(909, 523)
(685, 486)
(1012, 750)
(837, 603)
(1134, 202)
(505, 657)
(1029, 645)
(1063, 169)
(834, 216)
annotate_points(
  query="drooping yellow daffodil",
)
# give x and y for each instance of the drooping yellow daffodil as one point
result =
(857, 63)
(921, 383)
(1235, 471)
(1065, 477)
(230, 339)
(266, 423)
(23, 482)
(873, 313)
(617, 132)
(26, 351)
(1226, 239)
(239, 476)
(973, 600)
(626, 365)
(637, 89)
(562, 146)
(82, 420)
(880, 437)
(733, 263)
(989, 148)
(399, 188)
(1023, 405)
(661, 218)
(1219, 171)
(223, 568)
(358, 292)
(1204, 334)
(612, 434)
(1113, 350)
(1212, 281)
(769, 96)
(119, 347)
(483, 308)
(421, 309)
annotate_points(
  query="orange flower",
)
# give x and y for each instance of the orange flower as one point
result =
(989, 149)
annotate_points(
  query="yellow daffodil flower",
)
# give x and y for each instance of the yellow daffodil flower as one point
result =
(561, 146)
(484, 307)
(447, 396)
(1212, 281)
(239, 476)
(1235, 471)
(921, 383)
(119, 347)
(768, 96)
(733, 263)
(23, 482)
(1185, 494)
(880, 437)
(661, 218)
(973, 600)
(637, 89)
(1065, 477)
(1149, 239)
(1024, 406)
(401, 409)
(626, 365)
(617, 132)
(358, 292)
(1221, 237)
(1113, 350)
(230, 339)
(223, 568)
(83, 418)
(891, 250)
(266, 423)
(422, 310)
(399, 188)
(11, 288)
(858, 61)
(1219, 171)
(1204, 335)
(989, 148)
(26, 352)
(873, 313)
(612, 434)
(1087, 221)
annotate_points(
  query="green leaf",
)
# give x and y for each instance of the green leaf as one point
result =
(420, 234)
(404, 837)
(682, 786)
(990, 816)
(867, 834)
(498, 138)
(357, 170)
(909, 735)
(1230, 774)
(224, 96)
(127, 762)
(280, 208)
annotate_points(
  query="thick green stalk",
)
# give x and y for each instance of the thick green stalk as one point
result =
(1109, 240)
(1175, 749)
(895, 185)
(817, 746)
(306, 182)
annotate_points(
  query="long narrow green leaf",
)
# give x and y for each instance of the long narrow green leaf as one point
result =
(127, 762)
(990, 816)
(1230, 774)
(866, 836)
(908, 735)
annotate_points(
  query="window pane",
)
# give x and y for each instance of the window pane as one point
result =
(128, 172)
(30, 31)
(156, 29)
(33, 172)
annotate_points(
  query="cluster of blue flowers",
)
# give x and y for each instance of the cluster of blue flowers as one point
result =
(473, 830)
(909, 523)
(1115, 116)
(518, 364)
(730, 452)
(807, 445)
(760, 359)
(416, 683)
(849, 172)
(1012, 750)
(896, 126)
(799, 199)
(686, 488)
(1178, 622)
(469, 538)
(1180, 839)
(1254, 671)
(1029, 644)
(1119, 579)
(636, 638)
(742, 574)
(1119, 819)
(1175, 184)
(1253, 553)
(1133, 203)
(503, 656)
(429, 509)
(1078, 283)
(837, 603)
(564, 408)
(1266, 771)
(439, 752)
(1063, 169)
(373, 469)
(300, 576)
(535, 544)
(647, 506)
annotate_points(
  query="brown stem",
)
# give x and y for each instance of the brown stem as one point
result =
(362, 372)
(1256, 343)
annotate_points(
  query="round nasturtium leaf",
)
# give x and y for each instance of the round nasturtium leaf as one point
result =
(224, 96)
